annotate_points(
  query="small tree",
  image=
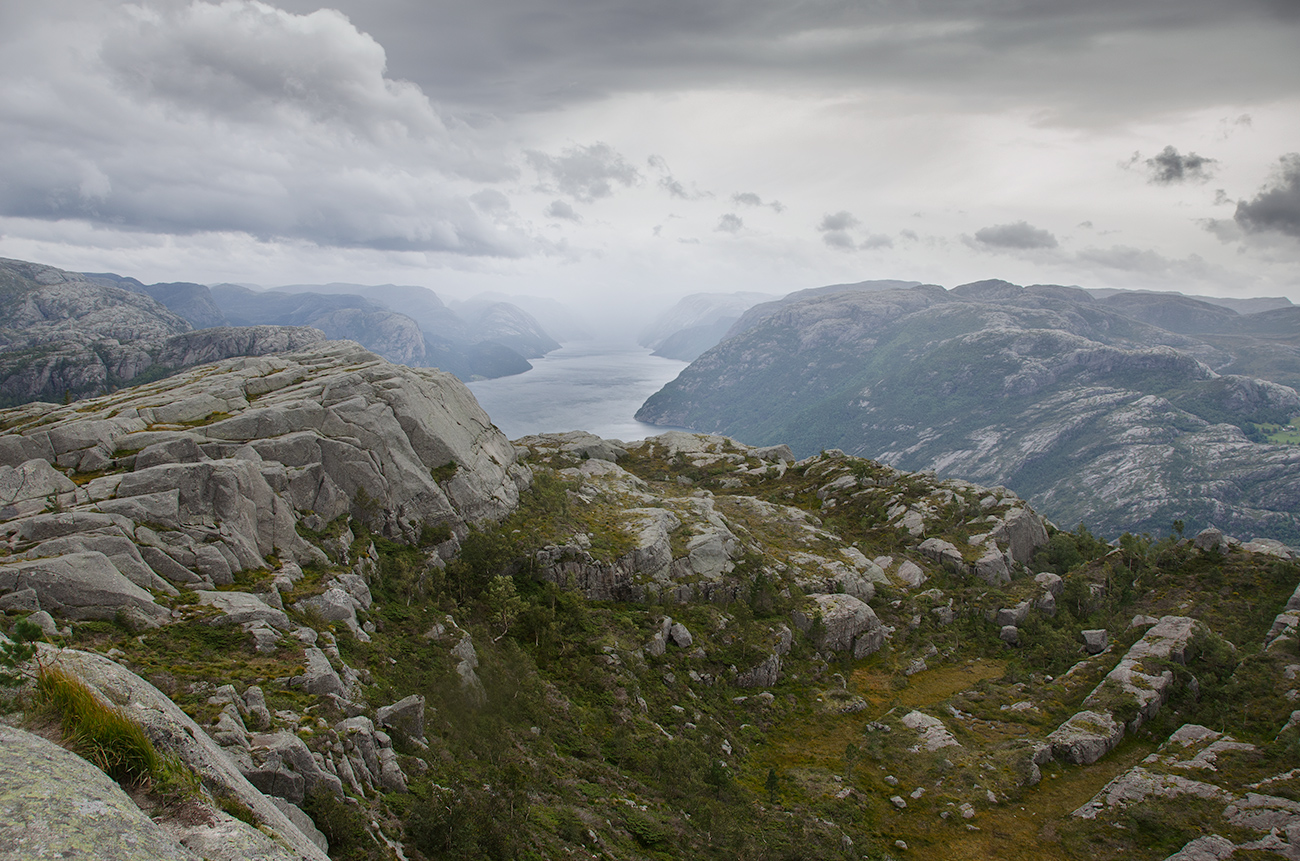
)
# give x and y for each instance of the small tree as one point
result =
(851, 754)
(772, 784)
(20, 651)
(503, 602)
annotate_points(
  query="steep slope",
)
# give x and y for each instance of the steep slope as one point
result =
(1093, 415)
(66, 335)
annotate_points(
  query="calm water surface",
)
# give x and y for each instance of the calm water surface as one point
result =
(583, 386)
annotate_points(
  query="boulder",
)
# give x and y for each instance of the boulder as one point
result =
(992, 568)
(406, 716)
(1023, 532)
(286, 768)
(934, 735)
(1086, 737)
(679, 636)
(83, 586)
(847, 624)
(318, 676)
(946, 554)
(240, 608)
(467, 663)
(1095, 640)
(911, 574)
(1013, 615)
(764, 675)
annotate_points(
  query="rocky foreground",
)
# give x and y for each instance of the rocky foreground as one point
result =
(371, 627)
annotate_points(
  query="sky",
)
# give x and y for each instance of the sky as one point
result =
(620, 153)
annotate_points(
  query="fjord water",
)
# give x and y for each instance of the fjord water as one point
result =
(589, 386)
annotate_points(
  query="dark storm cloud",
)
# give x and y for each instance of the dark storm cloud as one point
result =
(1019, 236)
(525, 54)
(1169, 167)
(1277, 206)
(236, 117)
(586, 173)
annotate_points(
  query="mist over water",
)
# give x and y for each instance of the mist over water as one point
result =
(589, 386)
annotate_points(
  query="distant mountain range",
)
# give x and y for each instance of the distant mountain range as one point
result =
(67, 334)
(408, 325)
(1128, 411)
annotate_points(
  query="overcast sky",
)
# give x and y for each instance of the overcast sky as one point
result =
(596, 148)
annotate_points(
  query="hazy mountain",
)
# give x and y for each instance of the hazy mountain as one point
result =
(1094, 415)
(558, 320)
(341, 316)
(506, 324)
(696, 322)
(474, 340)
(758, 313)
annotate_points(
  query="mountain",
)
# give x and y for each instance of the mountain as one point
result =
(1092, 414)
(508, 325)
(65, 335)
(315, 605)
(395, 336)
(557, 319)
(696, 322)
(481, 341)
(193, 302)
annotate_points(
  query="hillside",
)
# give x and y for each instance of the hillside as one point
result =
(345, 610)
(64, 335)
(1093, 415)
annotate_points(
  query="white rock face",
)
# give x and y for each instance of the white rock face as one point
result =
(934, 735)
(1091, 734)
(267, 443)
(847, 625)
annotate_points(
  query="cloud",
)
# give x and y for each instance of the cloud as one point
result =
(838, 222)
(586, 173)
(1277, 206)
(1019, 236)
(525, 55)
(1169, 166)
(730, 223)
(560, 209)
(835, 230)
(749, 198)
(239, 117)
(490, 200)
(671, 184)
